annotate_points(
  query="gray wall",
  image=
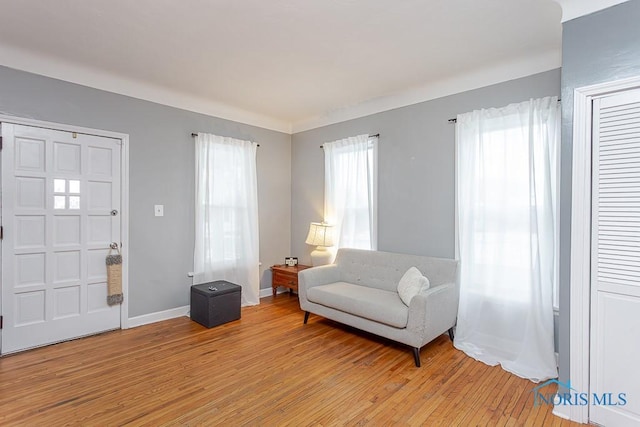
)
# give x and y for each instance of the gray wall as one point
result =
(161, 172)
(416, 162)
(416, 168)
(597, 48)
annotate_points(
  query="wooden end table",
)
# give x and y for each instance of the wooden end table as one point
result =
(283, 275)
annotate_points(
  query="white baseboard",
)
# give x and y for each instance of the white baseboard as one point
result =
(267, 292)
(158, 316)
(561, 412)
(172, 313)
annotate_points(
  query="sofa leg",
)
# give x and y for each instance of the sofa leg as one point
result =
(306, 317)
(416, 356)
(451, 333)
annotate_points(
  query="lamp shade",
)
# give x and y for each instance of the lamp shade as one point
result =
(320, 234)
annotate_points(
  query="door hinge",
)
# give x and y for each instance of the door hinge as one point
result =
(1, 232)
(1, 321)
(0, 143)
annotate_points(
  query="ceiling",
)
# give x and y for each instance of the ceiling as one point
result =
(287, 65)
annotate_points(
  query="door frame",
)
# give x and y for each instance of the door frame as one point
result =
(580, 268)
(124, 194)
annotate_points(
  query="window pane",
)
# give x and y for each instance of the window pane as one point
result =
(59, 202)
(59, 186)
(74, 202)
(74, 186)
(350, 194)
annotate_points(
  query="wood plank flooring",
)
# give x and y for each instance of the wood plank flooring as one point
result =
(267, 369)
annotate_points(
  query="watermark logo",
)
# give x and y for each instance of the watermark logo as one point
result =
(572, 397)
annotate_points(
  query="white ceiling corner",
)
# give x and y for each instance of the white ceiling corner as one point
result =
(56, 68)
(572, 9)
(486, 76)
(284, 65)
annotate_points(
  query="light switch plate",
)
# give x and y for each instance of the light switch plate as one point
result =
(159, 210)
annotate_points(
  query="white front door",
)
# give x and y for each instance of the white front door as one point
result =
(60, 212)
(615, 269)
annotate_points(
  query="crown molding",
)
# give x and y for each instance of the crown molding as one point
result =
(487, 76)
(49, 66)
(46, 65)
(572, 9)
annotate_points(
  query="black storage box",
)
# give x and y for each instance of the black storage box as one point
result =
(215, 303)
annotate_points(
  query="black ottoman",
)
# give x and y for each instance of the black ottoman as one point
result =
(215, 303)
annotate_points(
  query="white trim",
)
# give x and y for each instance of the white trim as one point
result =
(501, 72)
(124, 193)
(572, 9)
(561, 411)
(580, 252)
(579, 301)
(49, 66)
(172, 313)
(159, 316)
(124, 227)
(60, 126)
(267, 292)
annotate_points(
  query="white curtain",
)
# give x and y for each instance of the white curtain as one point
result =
(507, 175)
(350, 191)
(226, 243)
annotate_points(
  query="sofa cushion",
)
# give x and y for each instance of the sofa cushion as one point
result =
(371, 303)
(411, 284)
(383, 270)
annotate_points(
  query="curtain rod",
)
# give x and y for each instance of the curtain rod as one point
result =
(377, 135)
(456, 120)
(193, 135)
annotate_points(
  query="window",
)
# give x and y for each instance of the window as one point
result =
(506, 214)
(226, 239)
(224, 206)
(66, 194)
(351, 191)
(507, 234)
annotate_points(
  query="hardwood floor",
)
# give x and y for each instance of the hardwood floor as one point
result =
(265, 369)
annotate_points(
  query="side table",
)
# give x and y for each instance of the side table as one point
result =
(283, 275)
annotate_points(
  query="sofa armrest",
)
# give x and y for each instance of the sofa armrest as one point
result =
(316, 276)
(434, 311)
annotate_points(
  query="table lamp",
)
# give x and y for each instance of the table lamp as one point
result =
(321, 236)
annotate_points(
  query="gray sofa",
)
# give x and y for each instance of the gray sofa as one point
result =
(360, 290)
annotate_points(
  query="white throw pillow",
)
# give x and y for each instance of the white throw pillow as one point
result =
(411, 284)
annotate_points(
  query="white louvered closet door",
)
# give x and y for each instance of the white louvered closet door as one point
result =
(615, 272)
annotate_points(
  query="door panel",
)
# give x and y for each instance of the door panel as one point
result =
(615, 280)
(615, 341)
(59, 189)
